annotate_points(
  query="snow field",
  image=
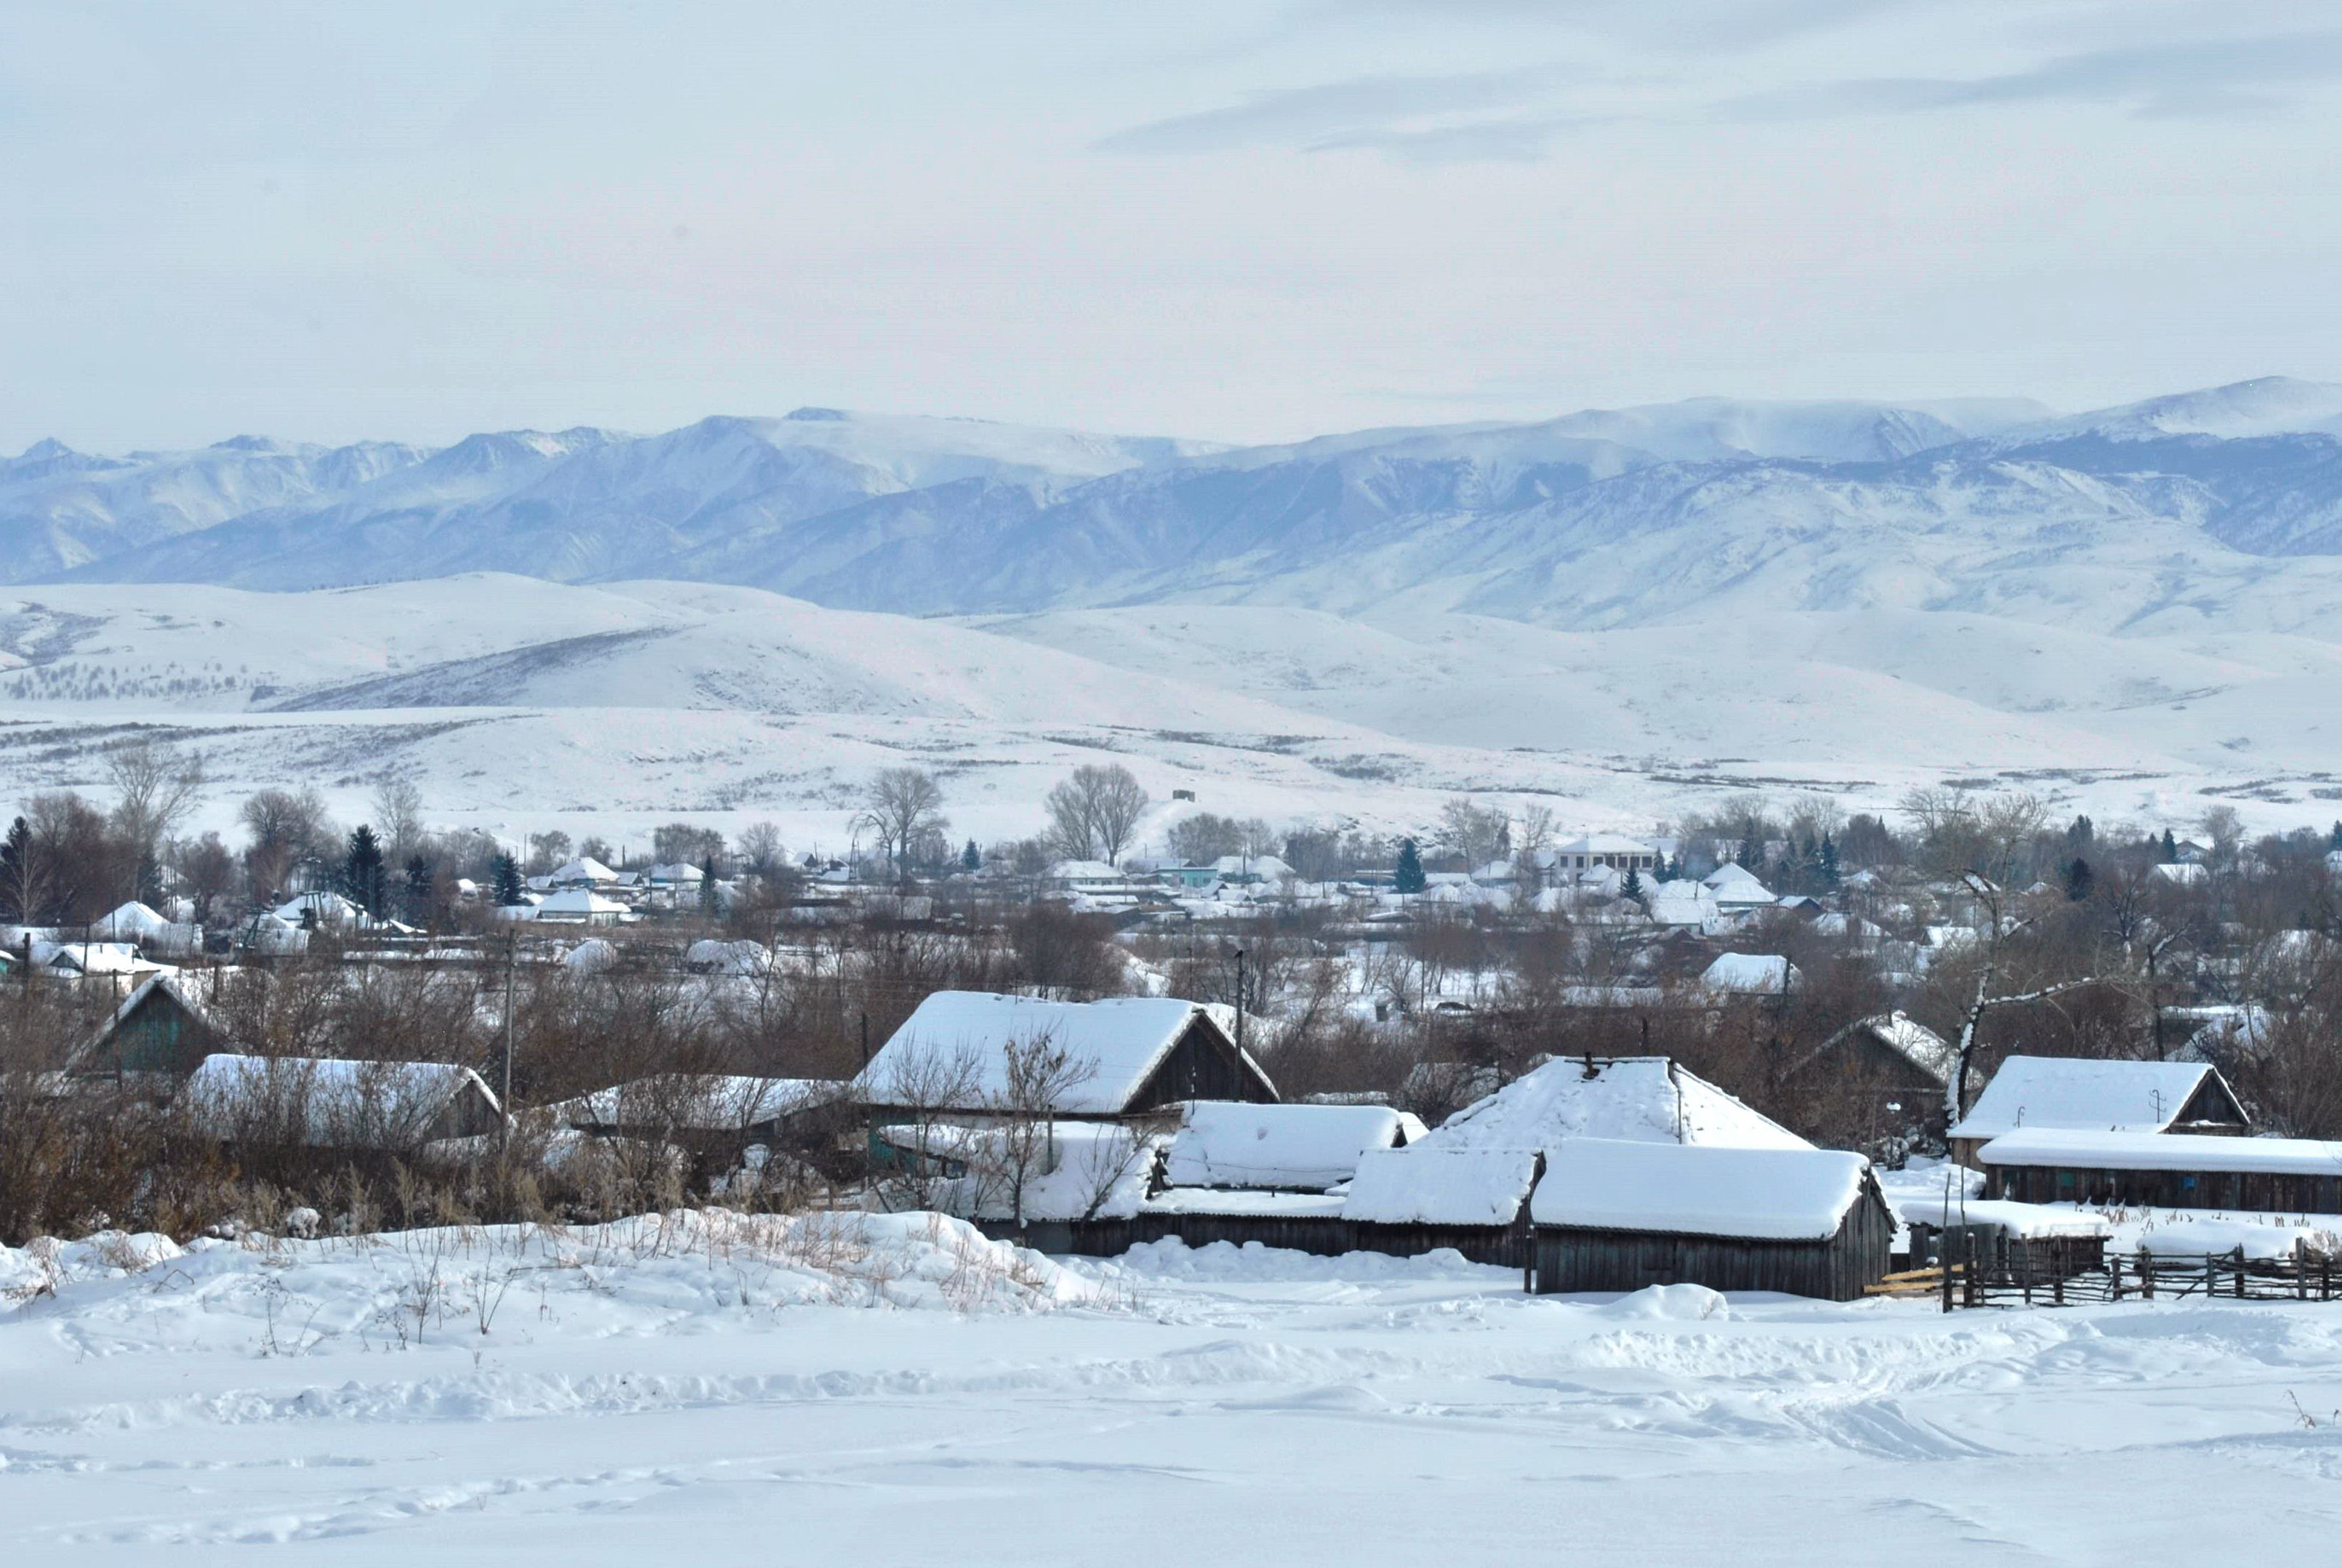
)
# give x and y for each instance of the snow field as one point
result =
(1227, 1404)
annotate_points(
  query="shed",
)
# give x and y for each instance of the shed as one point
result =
(1616, 1215)
(1891, 1066)
(2167, 1170)
(328, 1104)
(1749, 975)
(1280, 1148)
(1408, 1201)
(959, 1054)
(2084, 1094)
(724, 1108)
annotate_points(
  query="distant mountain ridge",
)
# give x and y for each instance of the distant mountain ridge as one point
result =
(2212, 506)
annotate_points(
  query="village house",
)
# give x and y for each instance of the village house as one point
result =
(2086, 1095)
(1600, 851)
(317, 1103)
(163, 1030)
(961, 1054)
(2164, 1169)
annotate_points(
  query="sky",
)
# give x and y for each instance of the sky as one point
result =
(1241, 222)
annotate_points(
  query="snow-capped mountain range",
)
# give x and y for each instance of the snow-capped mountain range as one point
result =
(1623, 612)
(2176, 508)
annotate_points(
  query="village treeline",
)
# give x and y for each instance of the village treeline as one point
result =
(1421, 972)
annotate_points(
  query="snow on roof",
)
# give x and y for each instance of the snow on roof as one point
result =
(1913, 1041)
(1644, 1098)
(1086, 1170)
(954, 1046)
(1750, 974)
(1222, 1143)
(1221, 1200)
(578, 901)
(2021, 1220)
(1604, 843)
(675, 871)
(323, 908)
(1735, 884)
(339, 1103)
(1767, 1194)
(1085, 871)
(584, 868)
(132, 919)
(696, 1102)
(1441, 1186)
(2147, 1151)
(2082, 1094)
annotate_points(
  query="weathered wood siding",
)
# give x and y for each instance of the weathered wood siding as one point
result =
(1832, 1268)
(1203, 1066)
(2266, 1192)
(1322, 1236)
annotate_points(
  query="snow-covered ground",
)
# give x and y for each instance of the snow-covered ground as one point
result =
(734, 1399)
(520, 704)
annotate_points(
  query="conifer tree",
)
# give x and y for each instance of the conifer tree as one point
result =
(417, 895)
(1408, 876)
(1633, 886)
(505, 873)
(2170, 848)
(970, 859)
(2080, 879)
(1825, 865)
(363, 878)
(708, 902)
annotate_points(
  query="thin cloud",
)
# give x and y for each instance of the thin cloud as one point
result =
(2211, 79)
(1461, 116)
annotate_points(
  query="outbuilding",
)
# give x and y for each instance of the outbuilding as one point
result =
(1617, 1216)
(2087, 1094)
(2165, 1170)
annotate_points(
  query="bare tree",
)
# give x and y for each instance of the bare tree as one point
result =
(1036, 1075)
(1474, 831)
(398, 816)
(905, 805)
(1204, 837)
(159, 785)
(759, 846)
(1092, 814)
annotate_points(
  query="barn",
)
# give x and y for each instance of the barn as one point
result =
(164, 1028)
(1616, 1215)
(2166, 1170)
(1409, 1201)
(961, 1056)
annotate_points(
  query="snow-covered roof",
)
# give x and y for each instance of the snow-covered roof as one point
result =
(2080, 1092)
(584, 868)
(577, 901)
(1750, 974)
(590, 956)
(1913, 1041)
(2138, 1151)
(2023, 1220)
(1604, 843)
(1081, 1170)
(675, 871)
(1768, 1194)
(323, 1100)
(1085, 871)
(955, 1045)
(321, 908)
(1224, 1201)
(132, 919)
(1222, 1143)
(1429, 1185)
(1736, 884)
(1645, 1098)
(709, 1102)
(736, 957)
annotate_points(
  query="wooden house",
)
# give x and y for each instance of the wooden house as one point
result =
(960, 1057)
(165, 1027)
(2165, 1170)
(317, 1103)
(1618, 1215)
(1412, 1201)
(2086, 1095)
(1890, 1067)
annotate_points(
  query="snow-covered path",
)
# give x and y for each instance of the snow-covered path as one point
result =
(1212, 1408)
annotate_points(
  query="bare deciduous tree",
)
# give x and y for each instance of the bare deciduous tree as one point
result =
(1092, 814)
(905, 805)
(398, 816)
(159, 784)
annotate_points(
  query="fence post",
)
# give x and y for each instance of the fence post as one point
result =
(2145, 1274)
(2114, 1278)
(2240, 1271)
(2301, 1269)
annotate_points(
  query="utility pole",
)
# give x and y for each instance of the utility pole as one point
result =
(1240, 1004)
(512, 964)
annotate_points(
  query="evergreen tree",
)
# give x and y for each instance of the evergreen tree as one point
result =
(417, 894)
(1659, 869)
(2334, 842)
(1750, 855)
(362, 877)
(2080, 879)
(1633, 886)
(1825, 865)
(2081, 835)
(150, 880)
(2170, 848)
(17, 875)
(1408, 876)
(707, 904)
(970, 859)
(505, 872)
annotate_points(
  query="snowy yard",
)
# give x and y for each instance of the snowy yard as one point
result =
(908, 1394)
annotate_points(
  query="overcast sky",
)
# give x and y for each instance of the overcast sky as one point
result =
(1246, 221)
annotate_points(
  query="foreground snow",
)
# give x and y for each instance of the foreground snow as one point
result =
(742, 1389)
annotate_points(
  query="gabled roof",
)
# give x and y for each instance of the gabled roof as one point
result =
(1221, 1144)
(1645, 1098)
(1750, 974)
(964, 1037)
(324, 1102)
(2084, 1094)
(1770, 1194)
(584, 868)
(1916, 1043)
(696, 1102)
(166, 984)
